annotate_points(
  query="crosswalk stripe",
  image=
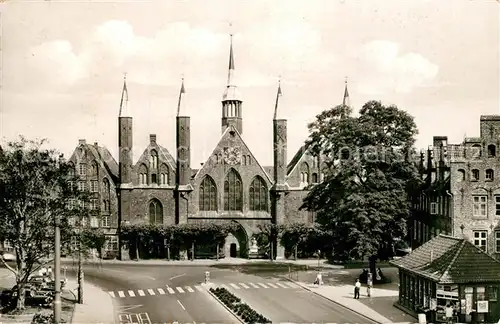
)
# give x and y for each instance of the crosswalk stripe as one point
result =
(234, 286)
(281, 285)
(131, 293)
(112, 294)
(170, 291)
(179, 289)
(161, 291)
(141, 292)
(189, 289)
(254, 285)
(272, 285)
(244, 286)
(151, 292)
(199, 288)
(121, 294)
(291, 284)
(262, 285)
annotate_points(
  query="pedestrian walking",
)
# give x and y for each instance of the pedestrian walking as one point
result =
(357, 287)
(319, 279)
(50, 274)
(449, 314)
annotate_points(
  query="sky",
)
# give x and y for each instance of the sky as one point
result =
(63, 65)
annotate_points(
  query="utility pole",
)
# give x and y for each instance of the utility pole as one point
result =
(57, 271)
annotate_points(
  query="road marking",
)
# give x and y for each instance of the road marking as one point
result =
(184, 308)
(151, 292)
(254, 285)
(144, 317)
(271, 285)
(189, 289)
(128, 307)
(244, 286)
(178, 276)
(291, 284)
(234, 286)
(112, 294)
(199, 288)
(170, 291)
(161, 291)
(141, 292)
(262, 285)
(179, 289)
(131, 293)
(121, 294)
(281, 285)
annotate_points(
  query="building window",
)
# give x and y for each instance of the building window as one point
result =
(489, 175)
(233, 192)
(164, 179)
(94, 222)
(434, 208)
(153, 160)
(111, 243)
(480, 206)
(82, 169)
(476, 151)
(304, 174)
(314, 178)
(321, 177)
(258, 195)
(311, 216)
(93, 186)
(93, 204)
(155, 212)
(497, 241)
(208, 195)
(492, 293)
(480, 238)
(81, 185)
(153, 178)
(497, 205)
(105, 221)
(460, 175)
(475, 175)
(143, 178)
(492, 151)
(106, 206)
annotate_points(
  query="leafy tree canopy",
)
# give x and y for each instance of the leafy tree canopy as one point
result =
(369, 168)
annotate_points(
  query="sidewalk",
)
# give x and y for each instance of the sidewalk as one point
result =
(97, 307)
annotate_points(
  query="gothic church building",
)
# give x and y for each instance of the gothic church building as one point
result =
(230, 186)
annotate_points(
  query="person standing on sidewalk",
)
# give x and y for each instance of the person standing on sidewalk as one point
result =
(357, 287)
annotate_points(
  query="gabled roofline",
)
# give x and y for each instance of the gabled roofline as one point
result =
(161, 148)
(220, 138)
(303, 148)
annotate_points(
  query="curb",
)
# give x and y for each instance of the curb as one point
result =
(227, 308)
(331, 300)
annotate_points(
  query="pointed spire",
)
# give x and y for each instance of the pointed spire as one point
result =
(346, 100)
(124, 105)
(230, 75)
(181, 106)
(278, 97)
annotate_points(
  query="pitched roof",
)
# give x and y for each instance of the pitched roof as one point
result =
(447, 259)
(296, 158)
(102, 154)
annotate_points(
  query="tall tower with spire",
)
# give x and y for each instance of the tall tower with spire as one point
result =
(183, 145)
(346, 100)
(231, 99)
(280, 186)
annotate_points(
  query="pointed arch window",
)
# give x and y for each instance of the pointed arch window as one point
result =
(304, 174)
(258, 195)
(153, 159)
(233, 192)
(155, 212)
(208, 194)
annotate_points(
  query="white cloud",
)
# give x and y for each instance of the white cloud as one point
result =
(386, 69)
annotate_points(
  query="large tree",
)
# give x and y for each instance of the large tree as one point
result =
(36, 191)
(369, 169)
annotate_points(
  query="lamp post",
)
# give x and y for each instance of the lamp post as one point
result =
(57, 271)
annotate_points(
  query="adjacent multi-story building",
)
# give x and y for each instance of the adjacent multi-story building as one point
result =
(461, 194)
(231, 185)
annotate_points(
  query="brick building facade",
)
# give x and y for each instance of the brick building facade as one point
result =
(461, 195)
(230, 185)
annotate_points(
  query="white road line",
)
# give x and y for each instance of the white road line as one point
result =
(184, 308)
(178, 276)
(199, 288)
(262, 285)
(254, 285)
(291, 284)
(121, 294)
(179, 289)
(131, 293)
(244, 286)
(189, 289)
(112, 294)
(235, 286)
(141, 292)
(281, 285)
(161, 291)
(151, 292)
(170, 291)
(272, 285)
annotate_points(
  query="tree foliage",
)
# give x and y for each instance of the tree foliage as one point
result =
(370, 167)
(36, 185)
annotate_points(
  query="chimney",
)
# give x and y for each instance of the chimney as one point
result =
(152, 138)
(432, 256)
(96, 144)
(82, 142)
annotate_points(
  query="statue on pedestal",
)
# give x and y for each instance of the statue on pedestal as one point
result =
(254, 249)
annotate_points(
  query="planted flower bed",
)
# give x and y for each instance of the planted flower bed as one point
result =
(245, 312)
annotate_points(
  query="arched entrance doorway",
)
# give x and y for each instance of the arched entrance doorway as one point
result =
(237, 243)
